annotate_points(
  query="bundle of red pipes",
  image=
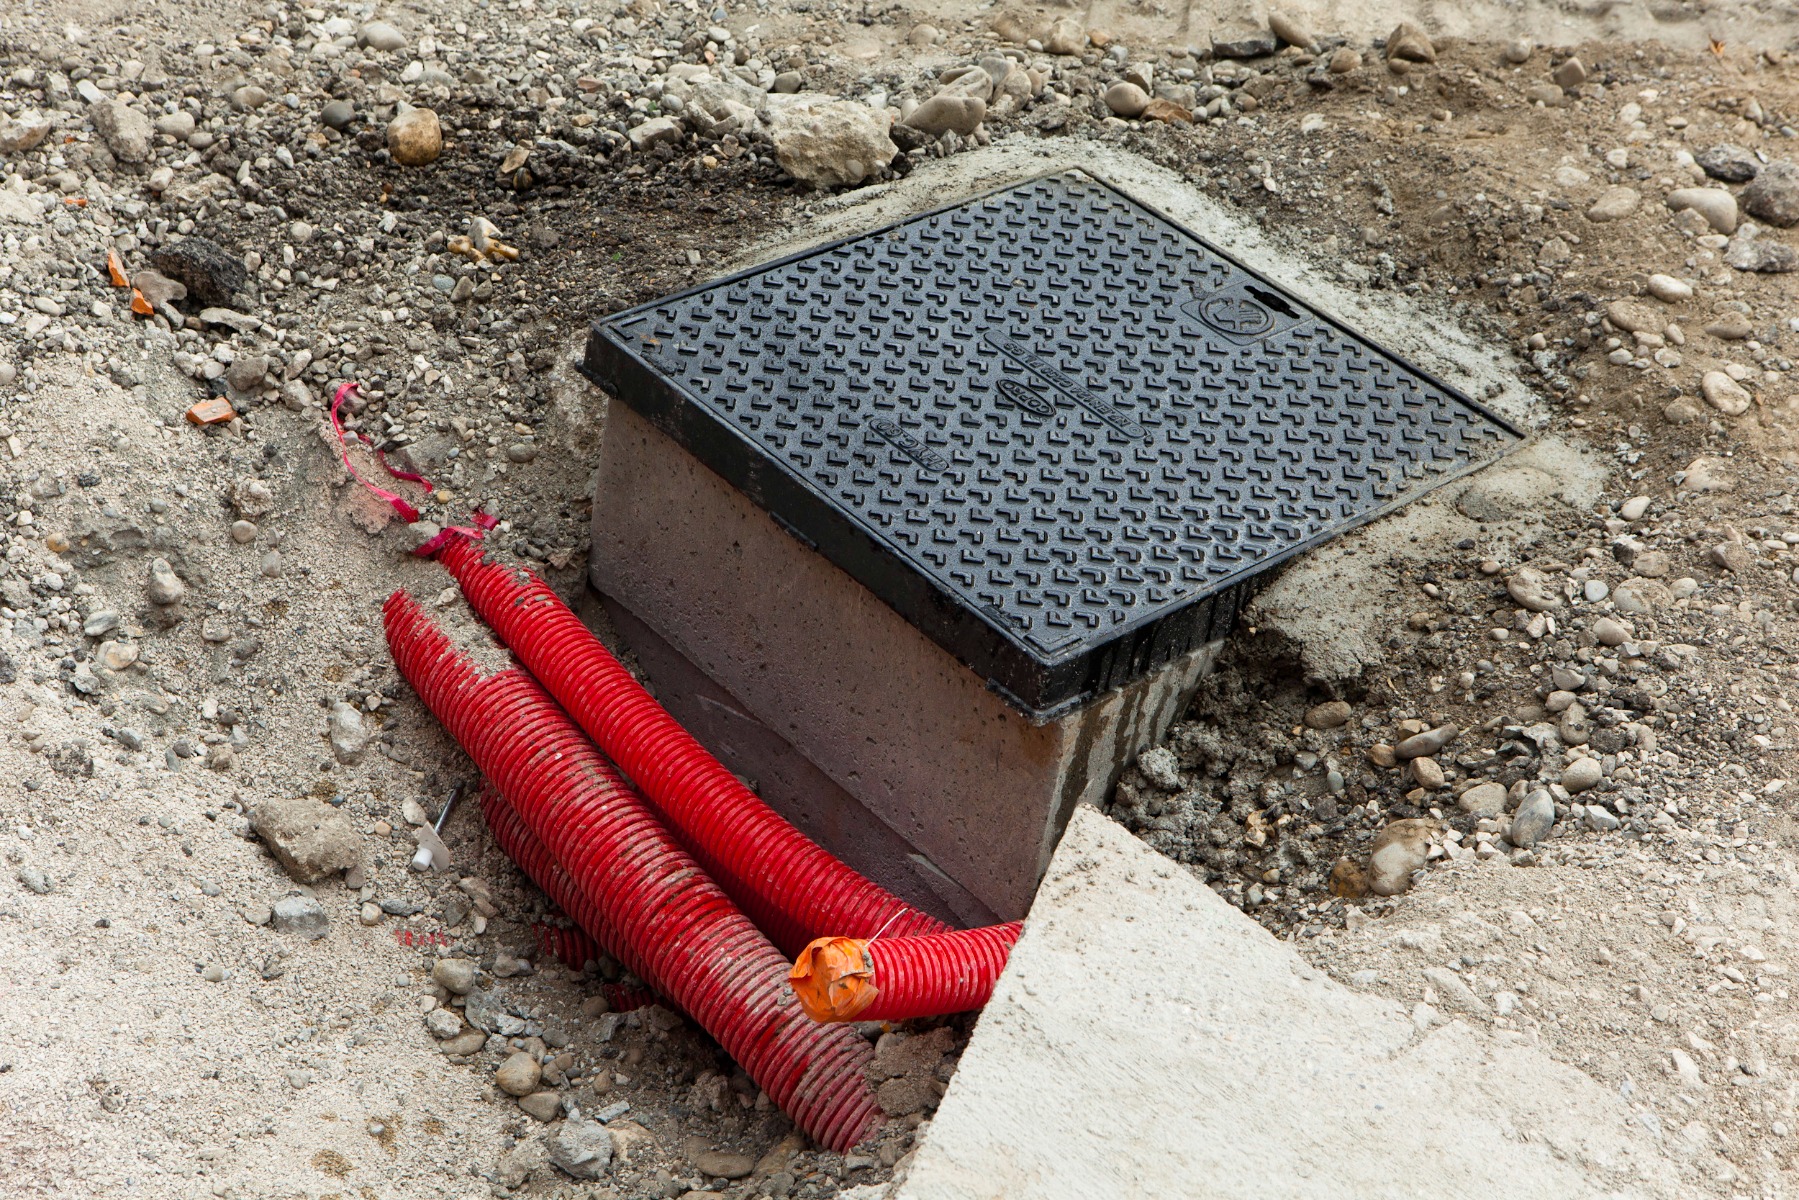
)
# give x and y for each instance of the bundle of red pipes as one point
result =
(695, 884)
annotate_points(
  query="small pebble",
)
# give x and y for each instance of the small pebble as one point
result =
(1329, 715)
(1669, 290)
(415, 138)
(1533, 820)
(1609, 632)
(1428, 774)
(1582, 774)
(545, 1106)
(519, 1074)
(443, 1023)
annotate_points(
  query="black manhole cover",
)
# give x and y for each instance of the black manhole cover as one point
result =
(1059, 433)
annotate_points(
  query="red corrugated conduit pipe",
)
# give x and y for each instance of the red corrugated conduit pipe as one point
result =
(523, 848)
(574, 946)
(896, 979)
(793, 888)
(675, 928)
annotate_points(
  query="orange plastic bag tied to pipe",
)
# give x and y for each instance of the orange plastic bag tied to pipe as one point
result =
(834, 978)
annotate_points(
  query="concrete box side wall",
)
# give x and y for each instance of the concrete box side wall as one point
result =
(883, 711)
(790, 783)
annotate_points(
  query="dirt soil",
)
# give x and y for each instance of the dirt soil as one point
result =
(160, 1035)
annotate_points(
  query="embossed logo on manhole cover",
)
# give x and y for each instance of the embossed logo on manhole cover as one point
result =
(1030, 399)
(1236, 316)
(1245, 311)
(908, 444)
(1065, 383)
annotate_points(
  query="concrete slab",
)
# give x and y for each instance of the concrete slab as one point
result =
(1147, 1039)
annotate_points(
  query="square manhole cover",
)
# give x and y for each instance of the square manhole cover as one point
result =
(1062, 435)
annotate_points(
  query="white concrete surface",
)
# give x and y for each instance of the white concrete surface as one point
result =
(1149, 1040)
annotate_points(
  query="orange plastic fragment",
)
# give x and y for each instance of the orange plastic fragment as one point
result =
(117, 269)
(211, 411)
(139, 305)
(834, 978)
(75, 201)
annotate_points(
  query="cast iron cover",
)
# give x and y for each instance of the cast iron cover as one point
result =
(1060, 434)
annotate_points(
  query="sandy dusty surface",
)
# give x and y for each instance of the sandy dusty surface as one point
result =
(158, 1038)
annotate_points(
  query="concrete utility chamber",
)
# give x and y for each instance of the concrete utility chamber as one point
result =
(927, 532)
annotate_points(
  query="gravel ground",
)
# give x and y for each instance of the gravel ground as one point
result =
(191, 628)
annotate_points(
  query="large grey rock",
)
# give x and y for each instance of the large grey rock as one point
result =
(519, 1074)
(23, 132)
(1065, 36)
(1244, 41)
(1581, 774)
(164, 587)
(302, 915)
(654, 132)
(1635, 316)
(126, 131)
(443, 1023)
(1221, 1064)
(485, 1011)
(379, 35)
(1399, 850)
(1533, 820)
(948, 112)
(1774, 196)
(1725, 394)
(211, 273)
(1717, 206)
(1729, 163)
(310, 839)
(1482, 800)
(1614, 204)
(415, 137)
(1290, 29)
(248, 373)
(349, 737)
(1410, 43)
(1763, 255)
(454, 974)
(580, 1148)
(826, 142)
(1530, 589)
(1429, 742)
(1126, 99)
(178, 125)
